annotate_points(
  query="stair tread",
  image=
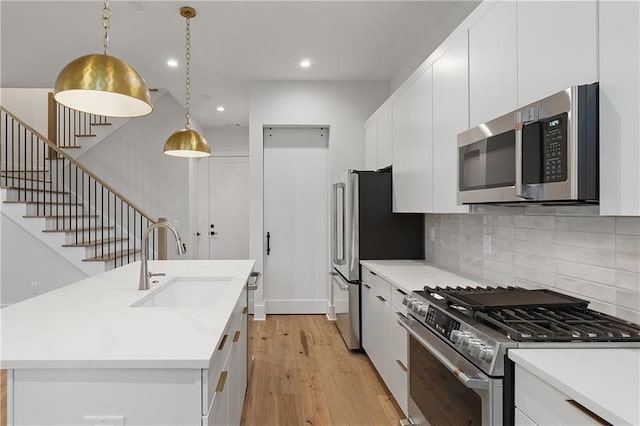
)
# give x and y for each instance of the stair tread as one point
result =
(3, 175)
(91, 228)
(43, 202)
(100, 124)
(85, 135)
(35, 190)
(111, 256)
(24, 171)
(69, 146)
(59, 216)
(95, 242)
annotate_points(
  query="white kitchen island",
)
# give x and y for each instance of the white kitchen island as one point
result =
(83, 355)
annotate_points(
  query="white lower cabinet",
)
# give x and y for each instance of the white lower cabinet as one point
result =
(384, 340)
(539, 403)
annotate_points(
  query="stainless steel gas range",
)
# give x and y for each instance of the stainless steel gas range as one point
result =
(459, 338)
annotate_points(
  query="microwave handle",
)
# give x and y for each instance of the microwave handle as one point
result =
(518, 185)
(469, 382)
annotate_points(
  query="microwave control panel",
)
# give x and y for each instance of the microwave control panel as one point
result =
(554, 144)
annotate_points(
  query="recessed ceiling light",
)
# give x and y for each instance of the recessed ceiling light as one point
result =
(305, 63)
(220, 108)
(172, 63)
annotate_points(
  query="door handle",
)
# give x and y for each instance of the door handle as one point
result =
(268, 243)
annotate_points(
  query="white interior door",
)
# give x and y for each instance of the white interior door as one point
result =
(227, 232)
(296, 217)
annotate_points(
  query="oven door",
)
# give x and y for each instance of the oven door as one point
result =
(445, 388)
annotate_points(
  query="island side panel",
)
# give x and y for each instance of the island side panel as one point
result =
(144, 397)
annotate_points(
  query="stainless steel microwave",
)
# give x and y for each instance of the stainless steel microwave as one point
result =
(545, 152)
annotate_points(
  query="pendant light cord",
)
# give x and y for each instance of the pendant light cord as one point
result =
(187, 82)
(106, 24)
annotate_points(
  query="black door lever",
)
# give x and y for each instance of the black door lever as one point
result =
(268, 243)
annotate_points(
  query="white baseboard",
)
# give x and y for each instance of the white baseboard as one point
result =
(296, 306)
(331, 312)
(259, 313)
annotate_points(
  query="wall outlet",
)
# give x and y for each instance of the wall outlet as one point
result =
(486, 244)
(34, 287)
(104, 420)
(432, 233)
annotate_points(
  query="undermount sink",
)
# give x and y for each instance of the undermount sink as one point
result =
(185, 292)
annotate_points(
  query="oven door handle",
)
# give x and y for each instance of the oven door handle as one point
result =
(471, 383)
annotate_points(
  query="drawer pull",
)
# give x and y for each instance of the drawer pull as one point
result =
(221, 381)
(401, 292)
(236, 337)
(373, 273)
(401, 315)
(401, 365)
(367, 285)
(245, 310)
(588, 412)
(381, 298)
(224, 340)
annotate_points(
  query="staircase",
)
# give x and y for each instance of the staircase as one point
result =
(62, 203)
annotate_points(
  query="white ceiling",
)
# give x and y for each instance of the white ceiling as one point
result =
(233, 43)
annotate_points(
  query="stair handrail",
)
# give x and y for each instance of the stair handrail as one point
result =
(79, 165)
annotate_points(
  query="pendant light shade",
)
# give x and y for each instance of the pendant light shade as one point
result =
(103, 85)
(187, 143)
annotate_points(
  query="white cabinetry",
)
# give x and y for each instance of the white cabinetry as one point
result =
(384, 340)
(378, 136)
(539, 403)
(412, 147)
(371, 145)
(450, 117)
(619, 107)
(493, 64)
(557, 47)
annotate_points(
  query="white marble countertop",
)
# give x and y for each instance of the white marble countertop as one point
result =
(410, 275)
(606, 381)
(91, 324)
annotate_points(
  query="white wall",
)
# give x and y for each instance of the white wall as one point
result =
(132, 161)
(29, 105)
(26, 259)
(343, 106)
(228, 140)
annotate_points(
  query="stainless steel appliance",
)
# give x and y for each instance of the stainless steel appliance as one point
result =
(459, 337)
(544, 152)
(364, 227)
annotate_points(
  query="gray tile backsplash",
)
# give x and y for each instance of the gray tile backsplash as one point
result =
(572, 250)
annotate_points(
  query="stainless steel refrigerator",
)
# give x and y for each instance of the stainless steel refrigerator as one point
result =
(364, 228)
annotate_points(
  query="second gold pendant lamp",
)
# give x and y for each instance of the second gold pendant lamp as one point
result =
(102, 84)
(187, 142)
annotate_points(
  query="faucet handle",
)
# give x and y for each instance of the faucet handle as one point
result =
(157, 274)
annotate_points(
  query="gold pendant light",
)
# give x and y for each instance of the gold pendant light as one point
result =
(187, 142)
(102, 84)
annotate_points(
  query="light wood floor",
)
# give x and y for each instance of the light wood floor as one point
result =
(303, 374)
(3, 397)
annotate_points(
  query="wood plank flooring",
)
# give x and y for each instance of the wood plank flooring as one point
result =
(3, 397)
(302, 374)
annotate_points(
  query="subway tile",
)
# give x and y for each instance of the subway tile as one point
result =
(628, 280)
(628, 225)
(535, 262)
(539, 249)
(498, 220)
(496, 266)
(471, 239)
(499, 255)
(591, 290)
(505, 210)
(600, 224)
(472, 270)
(596, 257)
(451, 242)
(535, 235)
(605, 308)
(628, 299)
(535, 222)
(505, 232)
(628, 244)
(628, 314)
(451, 218)
(540, 211)
(471, 219)
(596, 274)
(467, 229)
(628, 262)
(501, 244)
(475, 261)
(498, 278)
(450, 259)
(578, 210)
(432, 218)
(449, 227)
(524, 283)
(547, 279)
(586, 240)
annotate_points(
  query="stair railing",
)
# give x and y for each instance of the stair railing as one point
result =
(66, 124)
(76, 201)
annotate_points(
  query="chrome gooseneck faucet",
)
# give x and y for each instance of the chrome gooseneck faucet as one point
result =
(145, 275)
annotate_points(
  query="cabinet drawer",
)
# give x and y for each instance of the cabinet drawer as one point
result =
(380, 286)
(521, 420)
(212, 375)
(396, 299)
(546, 405)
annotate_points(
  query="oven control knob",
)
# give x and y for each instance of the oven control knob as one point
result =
(405, 300)
(410, 303)
(423, 310)
(486, 353)
(455, 335)
(475, 346)
(465, 339)
(417, 307)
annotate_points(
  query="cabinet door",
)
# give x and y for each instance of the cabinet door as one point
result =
(412, 150)
(396, 358)
(493, 64)
(238, 373)
(557, 47)
(371, 146)
(371, 320)
(450, 117)
(619, 107)
(385, 137)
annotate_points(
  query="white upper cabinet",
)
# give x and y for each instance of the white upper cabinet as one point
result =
(385, 137)
(557, 46)
(371, 146)
(493, 64)
(619, 107)
(450, 117)
(412, 147)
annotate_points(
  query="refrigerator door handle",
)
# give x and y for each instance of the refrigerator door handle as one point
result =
(339, 224)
